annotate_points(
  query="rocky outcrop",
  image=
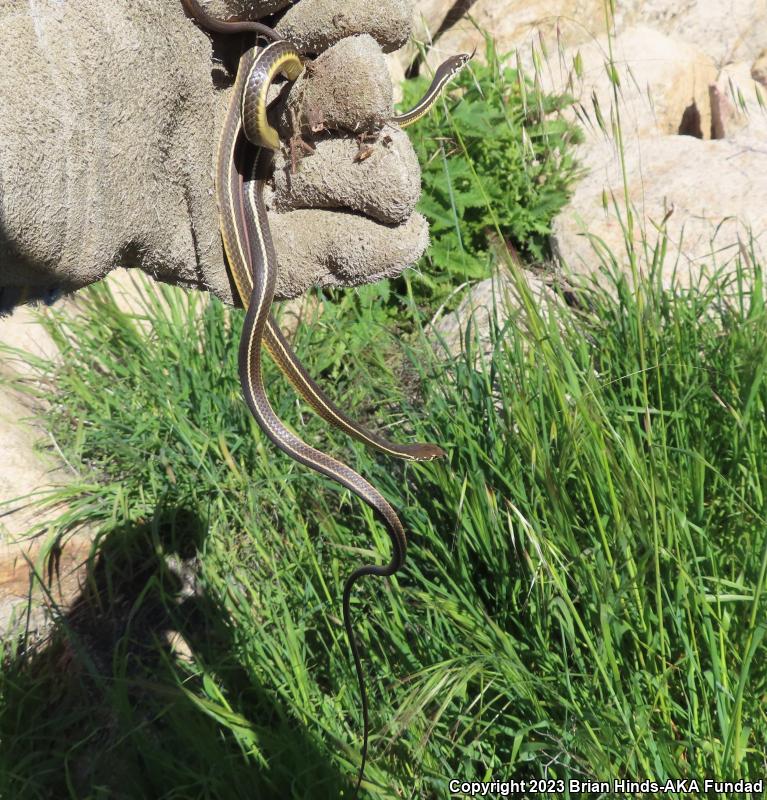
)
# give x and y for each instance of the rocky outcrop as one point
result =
(686, 83)
(24, 471)
(707, 198)
(512, 24)
(495, 299)
(30, 580)
(729, 32)
(661, 84)
(759, 69)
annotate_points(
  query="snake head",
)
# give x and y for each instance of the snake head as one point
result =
(423, 451)
(461, 60)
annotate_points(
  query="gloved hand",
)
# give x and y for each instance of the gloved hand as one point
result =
(111, 114)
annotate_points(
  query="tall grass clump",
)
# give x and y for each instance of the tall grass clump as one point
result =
(584, 596)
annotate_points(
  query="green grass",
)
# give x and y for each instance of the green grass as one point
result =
(584, 595)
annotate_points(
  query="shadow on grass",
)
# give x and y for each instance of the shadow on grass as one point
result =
(112, 706)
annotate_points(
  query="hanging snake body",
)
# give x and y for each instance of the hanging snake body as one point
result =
(240, 175)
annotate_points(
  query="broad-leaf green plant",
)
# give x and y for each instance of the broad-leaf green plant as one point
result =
(496, 155)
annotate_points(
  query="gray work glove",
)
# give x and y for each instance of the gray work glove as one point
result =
(110, 114)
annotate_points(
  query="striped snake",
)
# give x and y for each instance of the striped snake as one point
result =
(240, 175)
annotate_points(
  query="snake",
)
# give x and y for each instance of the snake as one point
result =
(276, 343)
(250, 253)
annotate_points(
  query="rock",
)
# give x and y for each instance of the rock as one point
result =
(24, 469)
(738, 104)
(498, 294)
(730, 31)
(759, 68)
(663, 84)
(27, 469)
(299, 309)
(727, 33)
(431, 19)
(428, 16)
(663, 81)
(705, 195)
(396, 73)
(516, 23)
(24, 603)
